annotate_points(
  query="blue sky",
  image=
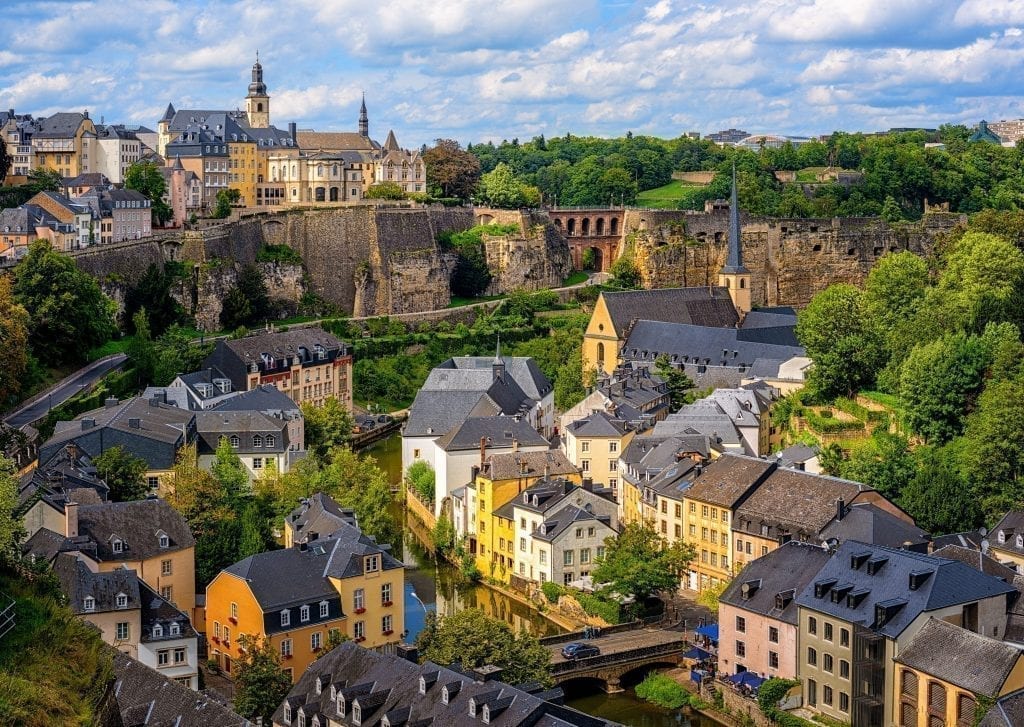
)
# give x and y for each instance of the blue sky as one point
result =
(476, 70)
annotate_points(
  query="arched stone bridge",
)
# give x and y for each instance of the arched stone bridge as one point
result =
(597, 228)
(621, 653)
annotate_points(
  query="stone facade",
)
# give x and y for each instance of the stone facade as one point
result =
(534, 259)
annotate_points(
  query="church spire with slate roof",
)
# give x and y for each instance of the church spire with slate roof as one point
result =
(364, 119)
(734, 275)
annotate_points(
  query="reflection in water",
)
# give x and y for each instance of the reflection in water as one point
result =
(626, 709)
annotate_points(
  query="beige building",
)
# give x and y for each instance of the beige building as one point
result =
(1006, 541)
(594, 445)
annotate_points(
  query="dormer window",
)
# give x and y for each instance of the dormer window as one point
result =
(270, 440)
(164, 541)
(334, 693)
(117, 546)
(324, 609)
(341, 705)
(121, 600)
(257, 441)
(287, 713)
(1002, 536)
(304, 613)
(357, 714)
(372, 564)
(89, 604)
(286, 617)
(1020, 541)
(302, 719)
(175, 629)
(316, 720)
(235, 441)
(158, 630)
(423, 685)
(472, 707)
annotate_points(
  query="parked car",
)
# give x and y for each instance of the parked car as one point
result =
(576, 650)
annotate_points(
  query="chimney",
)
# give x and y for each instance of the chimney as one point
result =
(71, 520)
(409, 652)
(88, 423)
(515, 444)
(292, 132)
(840, 509)
(487, 673)
(135, 423)
(110, 401)
(588, 484)
(483, 450)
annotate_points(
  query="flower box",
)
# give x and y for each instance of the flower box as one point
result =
(360, 610)
(215, 640)
(233, 620)
(385, 604)
(359, 638)
(287, 656)
(388, 632)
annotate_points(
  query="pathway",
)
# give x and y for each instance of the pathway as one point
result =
(40, 405)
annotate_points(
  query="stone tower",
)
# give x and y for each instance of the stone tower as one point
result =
(364, 120)
(257, 102)
(734, 275)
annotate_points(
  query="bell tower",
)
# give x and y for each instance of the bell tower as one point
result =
(734, 276)
(257, 102)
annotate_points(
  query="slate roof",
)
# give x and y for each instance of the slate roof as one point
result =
(158, 611)
(523, 369)
(598, 424)
(967, 539)
(795, 502)
(434, 413)
(68, 475)
(146, 697)
(336, 141)
(511, 465)
(211, 426)
(945, 583)
(705, 416)
(265, 398)
(297, 575)
(870, 524)
(673, 481)
(1011, 525)
(544, 494)
(977, 560)
(796, 454)
(138, 525)
(235, 356)
(568, 517)
(774, 579)
(61, 125)
(1008, 711)
(688, 343)
(390, 685)
(769, 318)
(318, 515)
(697, 306)
(77, 582)
(982, 665)
(500, 431)
(730, 479)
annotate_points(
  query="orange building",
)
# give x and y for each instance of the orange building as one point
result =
(298, 598)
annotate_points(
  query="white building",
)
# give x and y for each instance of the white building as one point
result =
(117, 149)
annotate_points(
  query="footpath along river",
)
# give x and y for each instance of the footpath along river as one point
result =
(432, 586)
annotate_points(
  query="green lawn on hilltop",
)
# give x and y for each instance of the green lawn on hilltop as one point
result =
(668, 196)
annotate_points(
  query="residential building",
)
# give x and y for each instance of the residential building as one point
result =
(117, 148)
(78, 216)
(543, 502)
(933, 687)
(735, 424)
(317, 516)
(260, 441)
(800, 457)
(575, 539)
(758, 614)
(118, 214)
(272, 402)
(1006, 541)
(661, 503)
(203, 389)
(644, 459)
(64, 142)
(870, 523)
(866, 606)
(20, 226)
(359, 686)
(594, 445)
(16, 132)
(400, 166)
(308, 364)
(184, 192)
(69, 476)
(299, 598)
(141, 690)
(85, 183)
(501, 479)
(636, 396)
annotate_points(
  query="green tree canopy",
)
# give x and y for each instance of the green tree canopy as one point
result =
(679, 384)
(14, 321)
(11, 529)
(225, 198)
(68, 313)
(327, 426)
(640, 562)
(260, 682)
(937, 497)
(247, 301)
(501, 188)
(475, 639)
(385, 190)
(145, 177)
(122, 471)
(451, 171)
(991, 455)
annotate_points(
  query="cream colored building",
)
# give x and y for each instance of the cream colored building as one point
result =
(594, 445)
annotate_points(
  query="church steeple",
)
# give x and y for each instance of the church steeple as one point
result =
(257, 102)
(734, 275)
(364, 119)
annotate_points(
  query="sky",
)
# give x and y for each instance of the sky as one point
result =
(479, 70)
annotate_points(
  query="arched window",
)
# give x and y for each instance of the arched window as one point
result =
(259, 107)
(743, 282)
(600, 353)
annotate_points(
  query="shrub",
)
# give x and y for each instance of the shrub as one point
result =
(593, 605)
(278, 254)
(663, 691)
(421, 476)
(551, 590)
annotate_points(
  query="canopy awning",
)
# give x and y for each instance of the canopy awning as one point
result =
(710, 631)
(697, 653)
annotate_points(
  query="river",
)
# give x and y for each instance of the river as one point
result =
(431, 586)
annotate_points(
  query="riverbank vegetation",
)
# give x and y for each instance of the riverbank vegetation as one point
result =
(664, 691)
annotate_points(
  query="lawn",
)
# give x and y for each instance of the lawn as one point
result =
(458, 301)
(668, 197)
(576, 278)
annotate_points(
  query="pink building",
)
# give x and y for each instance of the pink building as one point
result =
(757, 613)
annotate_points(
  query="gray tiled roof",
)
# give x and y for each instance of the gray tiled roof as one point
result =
(266, 398)
(509, 465)
(78, 582)
(156, 611)
(61, 125)
(545, 494)
(500, 431)
(702, 344)
(390, 685)
(781, 573)
(948, 583)
(212, 426)
(598, 424)
(163, 702)
(698, 306)
(730, 479)
(138, 525)
(982, 665)
(977, 560)
(318, 515)
(522, 369)
(871, 524)
(1008, 711)
(1011, 525)
(235, 356)
(434, 413)
(568, 517)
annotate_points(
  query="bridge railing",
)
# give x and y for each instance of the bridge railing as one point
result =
(581, 635)
(593, 662)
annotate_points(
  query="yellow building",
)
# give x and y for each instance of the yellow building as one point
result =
(1007, 540)
(65, 142)
(709, 505)
(501, 479)
(594, 445)
(242, 166)
(932, 687)
(299, 598)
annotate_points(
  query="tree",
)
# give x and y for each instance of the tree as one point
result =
(225, 198)
(247, 301)
(475, 639)
(841, 340)
(470, 276)
(625, 273)
(451, 171)
(420, 477)
(141, 350)
(153, 292)
(5, 163)
(68, 313)
(891, 211)
(229, 471)
(260, 682)
(679, 384)
(990, 455)
(640, 562)
(385, 190)
(327, 426)
(14, 321)
(145, 177)
(895, 286)
(11, 529)
(122, 471)
(937, 497)
(708, 598)
(884, 462)
(44, 180)
(501, 188)
(176, 353)
(255, 536)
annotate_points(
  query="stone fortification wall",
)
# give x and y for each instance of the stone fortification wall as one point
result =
(789, 259)
(536, 258)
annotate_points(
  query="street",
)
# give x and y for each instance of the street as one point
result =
(82, 379)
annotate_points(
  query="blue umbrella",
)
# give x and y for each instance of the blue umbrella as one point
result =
(746, 679)
(696, 653)
(711, 631)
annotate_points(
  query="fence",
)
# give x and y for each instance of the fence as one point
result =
(605, 631)
(594, 662)
(7, 615)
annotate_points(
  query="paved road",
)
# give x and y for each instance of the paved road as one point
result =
(39, 405)
(622, 641)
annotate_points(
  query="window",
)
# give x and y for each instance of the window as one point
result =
(117, 546)
(121, 601)
(121, 631)
(234, 610)
(567, 557)
(844, 637)
(812, 692)
(286, 617)
(826, 662)
(175, 630)
(235, 441)
(714, 513)
(966, 706)
(590, 532)
(165, 567)
(89, 604)
(257, 463)
(773, 634)
(180, 655)
(844, 704)
(812, 625)
(385, 593)
(613, 446)
(227, 634)
(585, 465)
(693, 531)
(828, 631)
(773, 659)
(741, 624)
(584, 556)
(522, 544)
(324, 609)
(844, 668)
(812, 656)
(600, 552)
(270, 440)
(359, 630)
(315, 640)
(385, 624)
(257, 441)
(163, 657)
(826, 694)
(216, 629)
(164, 541)
(704, 511)
(286, 648)
(358, 599)
(372, 564)
(304, 614)
(741, 648)
(543, 557)
(584, 445)
(679, 510)
(693, 507)
(704, 534)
